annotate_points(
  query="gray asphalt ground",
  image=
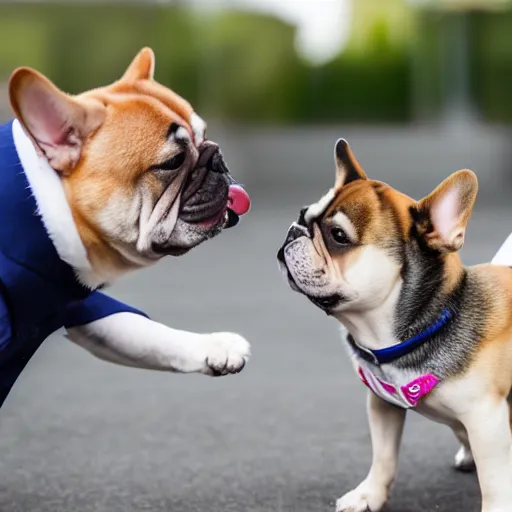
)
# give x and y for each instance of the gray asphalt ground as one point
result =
(288, 434)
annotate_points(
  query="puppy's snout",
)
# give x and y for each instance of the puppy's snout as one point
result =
(295, 231)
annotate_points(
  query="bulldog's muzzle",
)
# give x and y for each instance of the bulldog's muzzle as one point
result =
(210, 190)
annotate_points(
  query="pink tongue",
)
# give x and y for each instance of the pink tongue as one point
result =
(239, 200)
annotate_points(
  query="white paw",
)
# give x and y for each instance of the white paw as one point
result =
(226, 353)
(464, 460)
(362, 499)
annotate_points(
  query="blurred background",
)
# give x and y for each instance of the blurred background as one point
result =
(419, 88)
(402, 80)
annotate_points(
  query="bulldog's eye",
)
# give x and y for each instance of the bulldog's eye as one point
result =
(173, 163)
(339, 236)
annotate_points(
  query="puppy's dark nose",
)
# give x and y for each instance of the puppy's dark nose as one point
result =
(295, 232)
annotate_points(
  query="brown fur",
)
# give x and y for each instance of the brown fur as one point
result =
(381, 214)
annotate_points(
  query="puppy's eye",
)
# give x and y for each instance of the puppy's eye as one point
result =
(339, 236)
(173, 163)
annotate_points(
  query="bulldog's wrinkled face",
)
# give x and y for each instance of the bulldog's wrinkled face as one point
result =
(349, 251)
(140, 176)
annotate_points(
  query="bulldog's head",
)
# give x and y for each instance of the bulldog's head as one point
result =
(139, 174)
(363, 240)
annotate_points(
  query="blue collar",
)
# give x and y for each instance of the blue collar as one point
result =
(389, 354)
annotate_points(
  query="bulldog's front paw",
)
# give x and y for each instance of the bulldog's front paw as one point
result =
(364, 498)
(226, 353)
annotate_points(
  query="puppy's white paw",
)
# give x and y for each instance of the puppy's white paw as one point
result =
(226, 353)
(464, 460)
(364, 498)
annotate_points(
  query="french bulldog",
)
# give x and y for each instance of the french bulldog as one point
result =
(94, 186)
(425, 332)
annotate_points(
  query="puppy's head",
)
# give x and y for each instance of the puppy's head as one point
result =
(351, 249)
(139, 174)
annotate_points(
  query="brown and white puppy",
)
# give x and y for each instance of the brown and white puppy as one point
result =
(425, 332)
(123, 175)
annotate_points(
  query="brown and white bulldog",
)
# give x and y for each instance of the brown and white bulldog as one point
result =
(425, 332)
(139, 175)
(122, 176)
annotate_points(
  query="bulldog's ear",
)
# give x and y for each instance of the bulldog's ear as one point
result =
(142, 66)
(347, 167)
(57, 123)
(444, 214)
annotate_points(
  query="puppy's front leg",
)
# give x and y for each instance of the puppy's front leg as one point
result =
(488, 426)
(386, 427)
(132, 340)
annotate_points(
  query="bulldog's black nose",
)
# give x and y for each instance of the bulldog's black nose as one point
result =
(210, 156)
(206, 152)
(217, 163)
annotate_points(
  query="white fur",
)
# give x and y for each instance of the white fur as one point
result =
(342, 221)
(53, 207)
(316, 209)
(372, 277)
(182, 134)
(198, 127)
(369, 318)
(132, 340)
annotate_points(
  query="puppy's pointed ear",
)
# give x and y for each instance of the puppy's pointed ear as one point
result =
(57, 123)
(347, 167)
(142, 66)
(443, 215)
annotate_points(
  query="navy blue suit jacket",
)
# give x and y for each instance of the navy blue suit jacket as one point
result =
(39, 292)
